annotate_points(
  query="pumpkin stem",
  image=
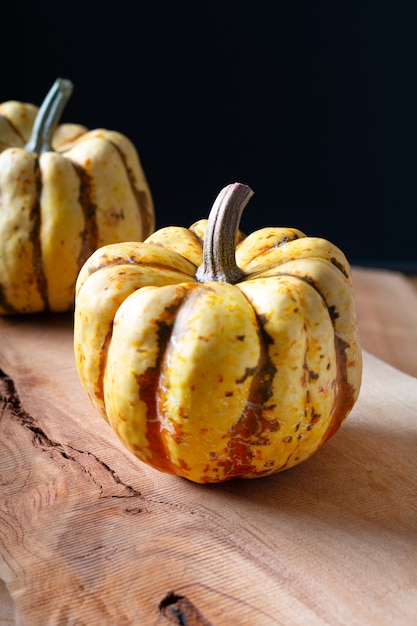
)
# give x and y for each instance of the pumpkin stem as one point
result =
(48, 116)
(219, 261)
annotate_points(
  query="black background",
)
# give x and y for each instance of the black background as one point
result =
(312, 104)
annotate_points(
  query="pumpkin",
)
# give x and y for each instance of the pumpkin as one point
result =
(64, 192)
(214, 355)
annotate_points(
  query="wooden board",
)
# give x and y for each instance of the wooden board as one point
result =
(387, 313)
(89, 535)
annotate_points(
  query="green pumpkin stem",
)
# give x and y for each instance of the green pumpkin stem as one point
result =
(48, 116)
(219, 260)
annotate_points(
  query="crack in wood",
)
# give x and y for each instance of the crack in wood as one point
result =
(10, 398)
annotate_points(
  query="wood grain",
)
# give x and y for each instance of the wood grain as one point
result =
(387, 314)
(89, 535)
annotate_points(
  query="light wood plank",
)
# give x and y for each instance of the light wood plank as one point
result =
(387, 315)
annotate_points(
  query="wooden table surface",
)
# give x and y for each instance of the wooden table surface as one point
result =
(307, 591)
(387, 313)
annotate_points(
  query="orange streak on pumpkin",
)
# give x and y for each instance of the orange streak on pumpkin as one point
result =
(141, 197)
(346, 394)
(90, 233)
(252, 428)
(102, 364)
(148, 384)
(37, 262)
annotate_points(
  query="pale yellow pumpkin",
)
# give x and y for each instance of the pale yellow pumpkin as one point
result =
(213, 355)
(64, 192)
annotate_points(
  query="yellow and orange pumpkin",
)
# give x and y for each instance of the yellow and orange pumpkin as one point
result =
(214, 355)
(64, 192)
